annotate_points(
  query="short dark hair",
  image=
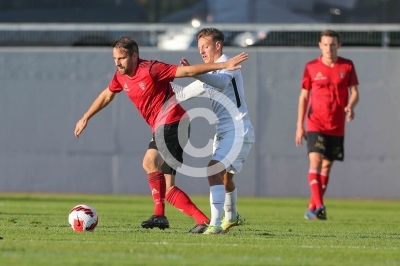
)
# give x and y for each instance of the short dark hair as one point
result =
(126, 43)
(216, 34)
(330, 33)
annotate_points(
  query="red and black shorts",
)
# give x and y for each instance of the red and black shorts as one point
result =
(332, 147)
(169, 140)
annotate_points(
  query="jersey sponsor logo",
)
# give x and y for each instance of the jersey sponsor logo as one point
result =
(319, 76)
(342, 74)
(142, 85)
(126, 87)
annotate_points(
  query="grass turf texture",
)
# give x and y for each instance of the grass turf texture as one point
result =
(35, 231)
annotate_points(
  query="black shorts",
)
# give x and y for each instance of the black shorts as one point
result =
(169, 140)
(332, 147)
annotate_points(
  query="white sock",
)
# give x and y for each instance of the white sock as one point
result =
(230, 205)
(217, 198)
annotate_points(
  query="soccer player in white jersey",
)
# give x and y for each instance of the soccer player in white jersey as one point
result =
(234, 131)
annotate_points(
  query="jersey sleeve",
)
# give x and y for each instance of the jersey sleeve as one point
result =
(353, 80)
(306, 80)
(218, 80)
(185, 93)
(231, 73)
(114, 85)
(162, 72)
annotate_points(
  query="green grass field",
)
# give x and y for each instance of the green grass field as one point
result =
(35, 231)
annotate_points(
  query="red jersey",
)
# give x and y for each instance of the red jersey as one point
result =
(329, 94)
(150, 91)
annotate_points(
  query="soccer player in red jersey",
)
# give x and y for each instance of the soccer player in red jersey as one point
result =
(325, 99)
(147, 84)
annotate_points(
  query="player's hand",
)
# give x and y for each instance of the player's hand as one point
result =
(184, 62)
(80, 126)
(350, 113)
(300, 134)
(234, 62)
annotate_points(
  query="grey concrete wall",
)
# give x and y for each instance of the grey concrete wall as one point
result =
(45, 92)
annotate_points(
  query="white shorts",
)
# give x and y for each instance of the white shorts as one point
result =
(233, 150)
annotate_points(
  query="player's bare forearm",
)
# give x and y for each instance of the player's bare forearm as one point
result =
(99, 103)
(104, 98)
(303, 103)
(215, 80)
(349, 109)
(194, 70)
(354, 97)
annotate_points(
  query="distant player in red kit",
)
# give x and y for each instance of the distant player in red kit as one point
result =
(325, 100)
(147, 84)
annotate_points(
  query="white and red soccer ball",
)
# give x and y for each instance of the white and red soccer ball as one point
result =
(83, 218)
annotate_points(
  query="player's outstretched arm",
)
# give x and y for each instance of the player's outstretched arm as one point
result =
(219, 80)
(194, 70)
(104, 98)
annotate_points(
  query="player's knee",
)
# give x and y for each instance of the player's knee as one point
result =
(228, 183)
(149, 165)
(316, 163)
(215, 172)
(215, 167)
(326, 169)
(215, 180)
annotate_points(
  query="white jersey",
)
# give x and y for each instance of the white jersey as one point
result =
(225, 90)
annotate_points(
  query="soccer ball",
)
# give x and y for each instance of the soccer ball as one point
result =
(83, 218)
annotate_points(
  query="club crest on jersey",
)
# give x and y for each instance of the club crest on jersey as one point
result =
(142, 85)
(342, 74)
(126, 87)
(212, 93)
